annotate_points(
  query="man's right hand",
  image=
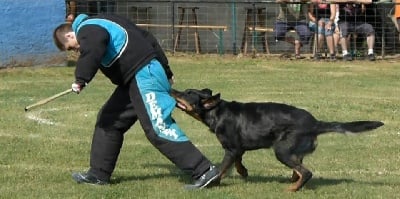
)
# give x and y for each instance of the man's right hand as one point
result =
(76, 87)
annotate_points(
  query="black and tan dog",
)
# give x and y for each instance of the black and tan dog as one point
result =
(239, 127)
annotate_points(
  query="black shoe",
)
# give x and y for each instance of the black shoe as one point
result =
(208, 179)
(317, 56)
(347, 57)
(332, 58)
(371, 57)
(88, 178)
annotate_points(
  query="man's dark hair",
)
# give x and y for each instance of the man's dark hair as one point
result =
(61, 29)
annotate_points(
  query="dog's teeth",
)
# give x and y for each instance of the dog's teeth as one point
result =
(183, 107)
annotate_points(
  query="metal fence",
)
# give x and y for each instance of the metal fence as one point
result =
(227, 26)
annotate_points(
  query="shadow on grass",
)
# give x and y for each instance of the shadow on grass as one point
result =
(71, 63)
(181, 176)
(312, 184)
(173, 172)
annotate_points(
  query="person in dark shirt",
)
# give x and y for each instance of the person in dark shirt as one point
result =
(352, 20)
(293, 15)
(134, 61)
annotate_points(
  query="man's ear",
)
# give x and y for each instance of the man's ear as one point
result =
(70, 35)
(211, 102)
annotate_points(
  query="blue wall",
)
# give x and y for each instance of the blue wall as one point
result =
(26, 31)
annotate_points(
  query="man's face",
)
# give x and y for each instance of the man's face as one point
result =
(70, 42)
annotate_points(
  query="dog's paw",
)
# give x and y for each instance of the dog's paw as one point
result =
(243, 172)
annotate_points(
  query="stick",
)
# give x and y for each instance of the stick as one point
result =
(49, 99)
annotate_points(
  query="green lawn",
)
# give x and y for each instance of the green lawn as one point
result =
(40, 148)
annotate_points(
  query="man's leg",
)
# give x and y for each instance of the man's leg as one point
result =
(304, 35)
(114, 119)
(149, 93)
(344, 41)
(368, 30)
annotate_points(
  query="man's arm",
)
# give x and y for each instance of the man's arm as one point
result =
(93, 42)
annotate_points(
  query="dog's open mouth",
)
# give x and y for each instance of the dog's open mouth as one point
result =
(183, 105)
(180, 105)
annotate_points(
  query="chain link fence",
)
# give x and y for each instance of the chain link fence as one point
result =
(232, 26)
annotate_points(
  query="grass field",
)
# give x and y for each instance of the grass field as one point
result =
(40, 148)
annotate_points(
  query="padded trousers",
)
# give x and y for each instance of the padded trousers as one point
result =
(146, 98)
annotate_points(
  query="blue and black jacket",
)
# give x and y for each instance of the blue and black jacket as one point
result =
(114, 45)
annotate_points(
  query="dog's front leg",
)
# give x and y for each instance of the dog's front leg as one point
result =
(227, 162)
(240, 168)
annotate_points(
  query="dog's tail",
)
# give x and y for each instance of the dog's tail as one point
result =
(347, 127)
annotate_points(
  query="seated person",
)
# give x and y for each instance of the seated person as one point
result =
(292, 17)
(70, 11)
(397, 15)
(352, 20)
(323, 15)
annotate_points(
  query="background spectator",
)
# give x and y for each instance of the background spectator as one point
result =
(397, 15)
(70, 11)
(352, 20)
(293, 16)
(324, 15)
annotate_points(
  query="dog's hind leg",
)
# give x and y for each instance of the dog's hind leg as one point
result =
(304, 175)
(294, 162)
(295, 176)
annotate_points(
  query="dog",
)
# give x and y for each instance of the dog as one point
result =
(291, 132)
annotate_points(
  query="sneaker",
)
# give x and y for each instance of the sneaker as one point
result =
(88, 178)
(371, 57)
(347, 57)
(208, 179)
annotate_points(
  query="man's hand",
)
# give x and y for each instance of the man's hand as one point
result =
(77, 87)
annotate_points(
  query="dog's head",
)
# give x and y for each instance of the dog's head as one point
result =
(195, 102)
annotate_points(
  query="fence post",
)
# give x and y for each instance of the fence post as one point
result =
(173, 26)
(234, 22)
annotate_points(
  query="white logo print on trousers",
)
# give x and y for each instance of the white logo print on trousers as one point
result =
(156, 115)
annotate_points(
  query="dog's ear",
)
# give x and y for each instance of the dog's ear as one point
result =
(211, 102)
(207, 90)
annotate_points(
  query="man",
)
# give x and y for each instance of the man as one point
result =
(133, 60)
(293, 16)
(352, 20)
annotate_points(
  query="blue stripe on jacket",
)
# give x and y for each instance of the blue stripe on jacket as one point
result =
(118, 37)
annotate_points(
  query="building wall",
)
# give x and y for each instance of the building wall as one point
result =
(26, 31)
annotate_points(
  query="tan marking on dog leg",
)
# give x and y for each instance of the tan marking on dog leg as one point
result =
(295, 177)
(294, 187)
(241, 169)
